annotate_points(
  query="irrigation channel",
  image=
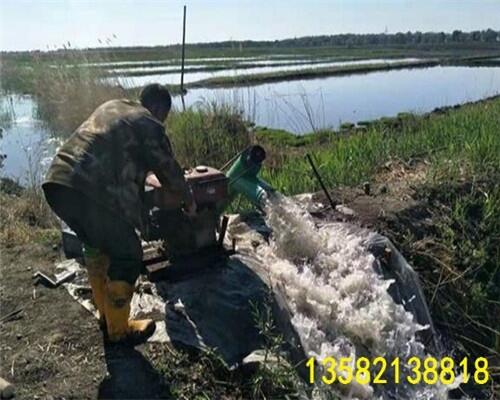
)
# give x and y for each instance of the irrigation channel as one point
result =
(336, 302)
(340, 305)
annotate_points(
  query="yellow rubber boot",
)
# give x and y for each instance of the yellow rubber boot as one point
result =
(117, 310)
(97, 268)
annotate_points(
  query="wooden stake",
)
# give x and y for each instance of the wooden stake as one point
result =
(183, 51)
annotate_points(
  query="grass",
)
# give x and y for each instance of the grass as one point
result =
(458, 260)
(208, 135)
(7, 114)
(19, 72)
(458, 140)
(248, 49)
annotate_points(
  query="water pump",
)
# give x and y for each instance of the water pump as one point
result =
(193, 242)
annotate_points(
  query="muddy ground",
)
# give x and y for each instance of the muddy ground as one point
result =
(53, 348)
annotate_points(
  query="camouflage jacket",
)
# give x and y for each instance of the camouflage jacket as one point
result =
(108, 156)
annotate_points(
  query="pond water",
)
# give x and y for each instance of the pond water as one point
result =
(193, 60)
(238, 70)
(297, 106)
(26, 142)
(305, 105)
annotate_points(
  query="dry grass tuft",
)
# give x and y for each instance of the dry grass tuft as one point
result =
(68, 92)
(26, 218)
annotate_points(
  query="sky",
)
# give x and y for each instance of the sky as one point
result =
(48, 24)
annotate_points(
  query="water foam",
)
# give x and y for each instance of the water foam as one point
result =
(341, 306)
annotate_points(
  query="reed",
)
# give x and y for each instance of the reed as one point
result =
(458, 144)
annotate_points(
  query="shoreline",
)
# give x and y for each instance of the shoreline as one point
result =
(361, 126)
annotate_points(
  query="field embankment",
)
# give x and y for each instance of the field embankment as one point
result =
(255, 79)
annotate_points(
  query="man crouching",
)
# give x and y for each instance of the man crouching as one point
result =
(96, 185)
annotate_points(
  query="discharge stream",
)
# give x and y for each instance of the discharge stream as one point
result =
(340, 305)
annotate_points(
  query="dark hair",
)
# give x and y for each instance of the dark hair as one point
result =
(155, 94)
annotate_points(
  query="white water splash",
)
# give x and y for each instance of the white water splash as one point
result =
(341, 306)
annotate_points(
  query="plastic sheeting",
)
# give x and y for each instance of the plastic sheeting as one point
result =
(214, 308)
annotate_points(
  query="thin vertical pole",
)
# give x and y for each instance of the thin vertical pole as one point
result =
(183, 51)
(318, 177)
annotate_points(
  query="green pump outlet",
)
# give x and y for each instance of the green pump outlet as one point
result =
(243, 176)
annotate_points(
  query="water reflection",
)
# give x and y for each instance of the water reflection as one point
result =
(305, 105)
(171, 75)
(25, 141)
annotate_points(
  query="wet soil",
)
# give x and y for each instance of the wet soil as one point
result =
(53, 348)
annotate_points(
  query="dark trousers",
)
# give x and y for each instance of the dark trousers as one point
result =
(98, 227)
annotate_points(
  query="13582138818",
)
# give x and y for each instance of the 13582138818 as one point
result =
(380, 370)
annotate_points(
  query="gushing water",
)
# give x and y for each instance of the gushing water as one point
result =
(341, 307)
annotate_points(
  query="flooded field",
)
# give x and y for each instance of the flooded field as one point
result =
(171, 74)
(189, 60)
(306, 105)
(297, 106)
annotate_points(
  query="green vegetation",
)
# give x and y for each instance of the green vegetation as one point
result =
(208, 135)
(63, 94)
(455, 141)
(6, 114)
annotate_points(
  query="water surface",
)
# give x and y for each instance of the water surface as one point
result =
(296, 106)
(172, 75)
(26, 142)
(303, 105)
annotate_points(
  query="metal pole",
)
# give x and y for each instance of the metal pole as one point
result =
(183, 50)
(318, 176)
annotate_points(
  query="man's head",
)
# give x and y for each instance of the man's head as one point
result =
(157, 100)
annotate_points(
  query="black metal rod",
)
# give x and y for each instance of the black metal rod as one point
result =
(183, 50)
(222, 233)
(318, 176)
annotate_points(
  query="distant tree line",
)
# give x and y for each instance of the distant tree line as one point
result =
(371, 39)
(411, 39)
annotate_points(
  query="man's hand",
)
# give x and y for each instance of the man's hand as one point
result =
(152, 180)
